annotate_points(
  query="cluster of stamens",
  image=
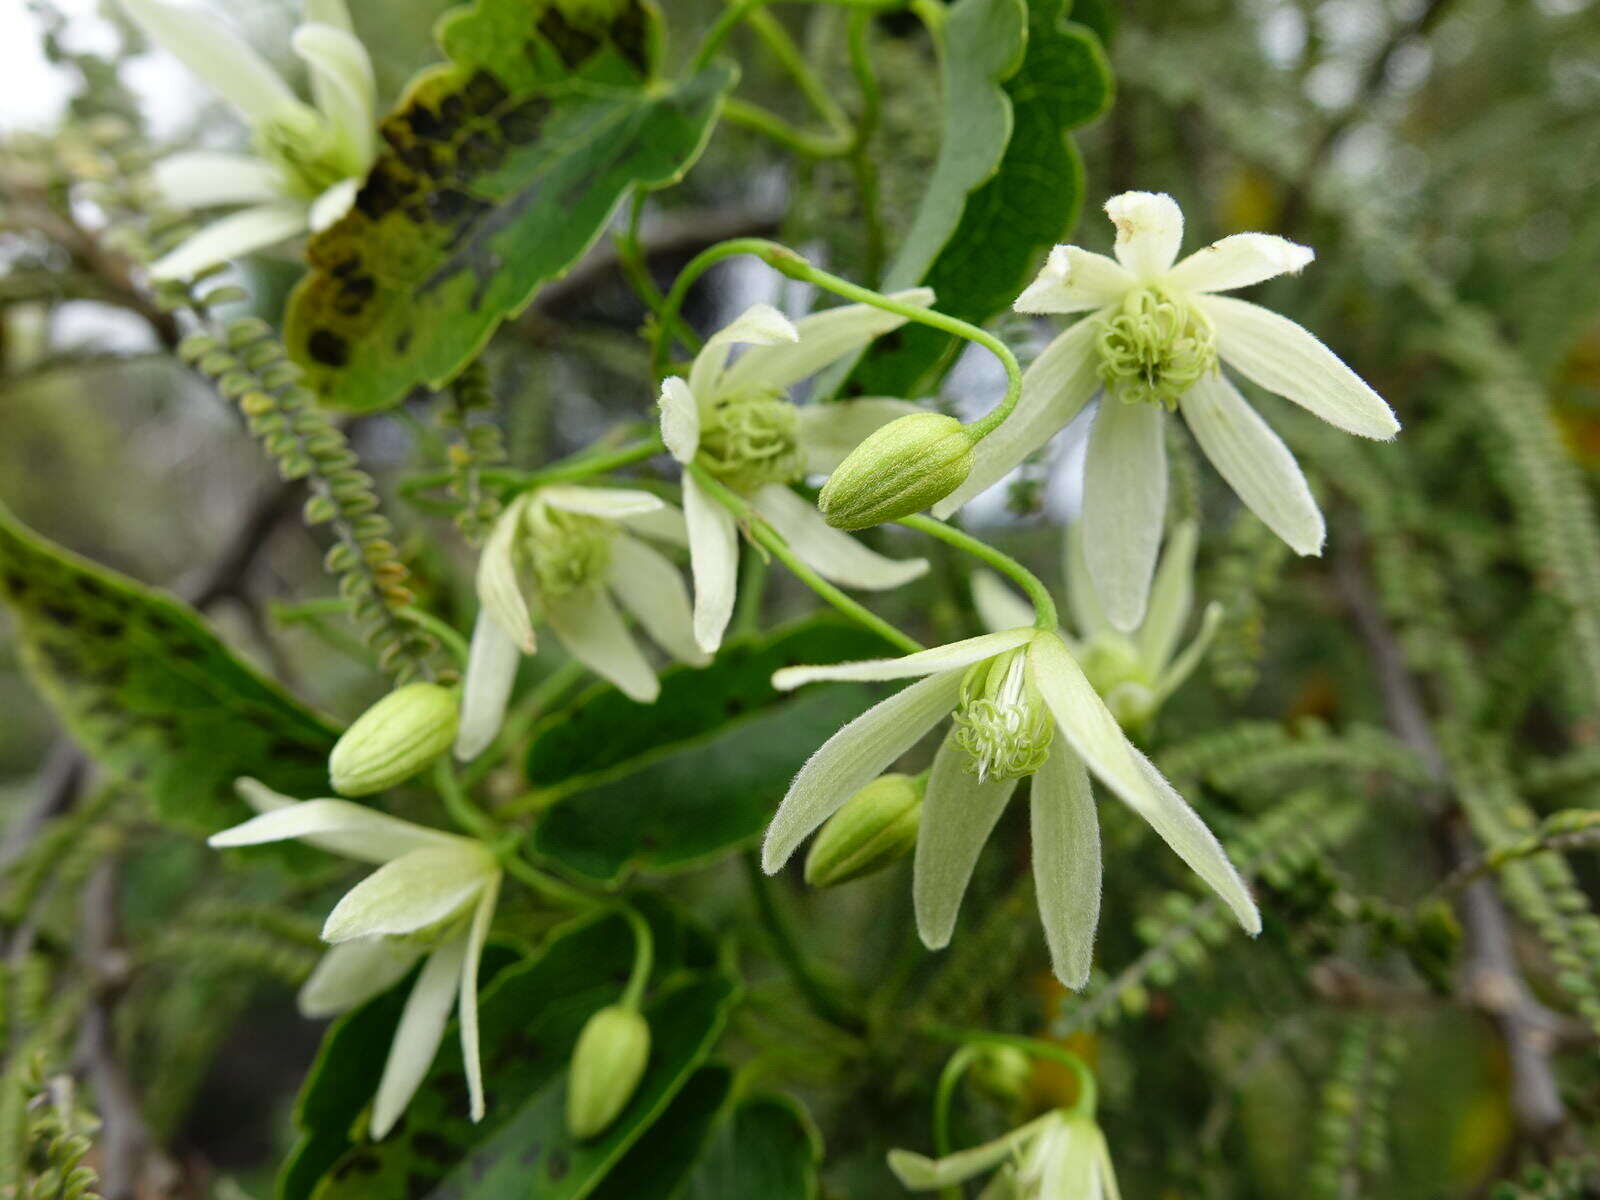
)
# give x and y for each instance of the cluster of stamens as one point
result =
(1153, 348)
(308, 151)
(1002, 722)
(568, 551)
(748, 441)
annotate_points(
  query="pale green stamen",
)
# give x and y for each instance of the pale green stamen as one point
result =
(748, 441)
(1002, 722)
(569, 551)
(1153, 348)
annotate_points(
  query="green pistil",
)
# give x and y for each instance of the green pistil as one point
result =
(1002, 723)
(749, 441)
(1154, 348)
(569, 551)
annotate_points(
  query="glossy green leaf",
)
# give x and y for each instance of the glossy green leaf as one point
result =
(766, 1147)
(149, 691)
(661, 1160)
(500, 168)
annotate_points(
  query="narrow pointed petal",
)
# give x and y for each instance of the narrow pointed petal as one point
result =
(467, 1008)
(955, 656)
(341, 83)
(831, 552)
(666, 524)
(647, 584)
(1075, 280)
(1183, 666)
(1149, 232)
(417, 1038)
(821, 339)
(1066, 864)
(1255, 462)
(332, 204)
(223, 61)
(1054, 388)
(758, 325)
(1087, 613)
(352, 973)
(919, 1173)
(499, 592)
(828, 432)
(959, 812)
(713, 563)
(491, 671)
(999, 607)
(338, 826)
(1171, 597)
(1287, 359)
(1239, 261)
(853, 758)
(1181, 828)
(202, 178)
(680, 419)
(232, 236)
(1124, 503)
(411, 893)
(1108, 1176)
(611, 503)
(591, 628)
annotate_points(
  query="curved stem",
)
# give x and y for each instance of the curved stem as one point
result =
(789, 953)
(945, 1095)
(453, 641)
(1088, 1091)
(548, 886)
(644, 944)
(1044, 606)
(462, 811)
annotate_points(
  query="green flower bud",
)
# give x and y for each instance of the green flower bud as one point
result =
(607, 1063)
(394, 739)
(1002, 1071)
(900, 469)
(876, 826)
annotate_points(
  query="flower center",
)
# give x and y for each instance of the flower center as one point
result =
(749, 441)
(1002, 722)
(1112, 665)
(1154, 348)
(569, 551)
(308, 150)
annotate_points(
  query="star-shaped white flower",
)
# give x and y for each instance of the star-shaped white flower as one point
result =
(309, 160)
(432, 898)
(1059, 1156)
(1153, 340)
(735, 421)
(565, 553)
(1011, 692)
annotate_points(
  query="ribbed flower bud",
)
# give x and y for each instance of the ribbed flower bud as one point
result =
(876, 826)
(394, 739)
(607, 1064)
(898, 470)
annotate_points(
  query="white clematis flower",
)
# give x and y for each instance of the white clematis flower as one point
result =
(309, 159)
(735, 421)
(1152, 341)
(1133, 672)
(1059, 1156)
(564, 553)
(431, 899)
(1010, 693)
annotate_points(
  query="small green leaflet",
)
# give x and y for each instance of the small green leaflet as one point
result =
(501, 168)
(149, 692)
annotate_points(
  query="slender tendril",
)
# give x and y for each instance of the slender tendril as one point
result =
(1044, 607)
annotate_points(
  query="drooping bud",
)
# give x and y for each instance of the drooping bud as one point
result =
(607, 1064)
(394, 739)
(898, 470)
(876, 826)
(1002, 1071)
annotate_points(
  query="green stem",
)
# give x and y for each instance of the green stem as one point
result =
(1044, 606)
(752, 585)
(864, 168)
(630, 254)
(550, 888)
(789, 953)
(773, 127)
(1088, 1091)
(453, 641)
(514, 729)
(643, 957)
(944, 1097)
(462, 811)
(582, 466)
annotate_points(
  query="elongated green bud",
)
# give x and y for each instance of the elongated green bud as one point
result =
(394, 739)
(876, 826)
(607, 1064)
(898, 470)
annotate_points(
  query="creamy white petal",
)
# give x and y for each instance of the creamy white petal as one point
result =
(1181, 828)
(959, 813)
(828, 432)
(822, 338)
(853, 758)
(1054, 388)
(352, 973)
(592, 630)
(647, 584)
(919, 1173)
(1171, 596)
(338, 826)
(713, 563)
(499, 592)
(1183, 666)
(1149, 232)
(332, 204)
(412, 892)
(342, 84)
(1287, 359)
(758, 325)
(954, 656)
(999, 607)
(1066, 863)
(666, 524)
(491, 671)
(831, 552)
(680, 419)
(1254, 461)
(1238, 261)
(1124, 503)
(1087, 614)
(1075, 280)
(202, 178)
(232, 236)
(417, 1038)
(1102, 1158)
(224, 61)
(608, 502)
(467, 1008)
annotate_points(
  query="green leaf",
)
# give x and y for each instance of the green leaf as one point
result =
(149, 691)
(1031, 203)
(768, 1147)
(661, 1160)
(501, 168)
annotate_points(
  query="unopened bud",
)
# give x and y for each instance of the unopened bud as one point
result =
(607, 1064)
(394, 739)
(876, 826)
(898, 470)
(1002, 1071)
